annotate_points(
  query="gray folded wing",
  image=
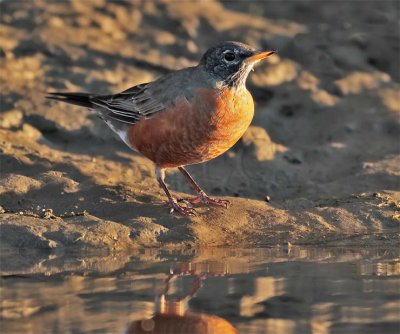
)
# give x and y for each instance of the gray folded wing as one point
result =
(130, 105)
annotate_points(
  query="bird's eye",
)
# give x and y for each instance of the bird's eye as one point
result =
(229, 56)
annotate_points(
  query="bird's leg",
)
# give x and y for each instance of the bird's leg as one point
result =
(173, 203)
(202, 197)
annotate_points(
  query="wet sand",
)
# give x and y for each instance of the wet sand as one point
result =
(319, 165)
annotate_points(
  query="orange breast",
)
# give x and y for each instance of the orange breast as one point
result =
(196, 131)
(193, 323)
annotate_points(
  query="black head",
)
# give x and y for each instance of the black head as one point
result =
(231, 62)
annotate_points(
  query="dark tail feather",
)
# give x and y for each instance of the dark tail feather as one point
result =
(79, 99)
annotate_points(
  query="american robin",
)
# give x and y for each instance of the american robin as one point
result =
(186, 117)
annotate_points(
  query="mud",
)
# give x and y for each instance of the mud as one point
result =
(319, 165)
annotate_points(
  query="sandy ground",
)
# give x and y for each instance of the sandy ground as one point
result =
(320, 163)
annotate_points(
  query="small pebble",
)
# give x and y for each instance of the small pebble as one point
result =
(47, 214)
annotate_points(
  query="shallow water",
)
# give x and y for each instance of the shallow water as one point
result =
(265, 290)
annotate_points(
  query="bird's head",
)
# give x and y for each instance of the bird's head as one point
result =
(231, 62)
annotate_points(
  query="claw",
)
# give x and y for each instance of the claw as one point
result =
(183, 210)
(215, 201)
(205, 199)
(188, 202)
(202, 197)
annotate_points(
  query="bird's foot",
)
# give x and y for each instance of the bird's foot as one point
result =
(181, 209)
(205, 199)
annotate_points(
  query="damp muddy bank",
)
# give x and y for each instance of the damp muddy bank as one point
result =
(318, 165)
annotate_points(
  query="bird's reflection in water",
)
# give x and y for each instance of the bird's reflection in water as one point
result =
(172, 317)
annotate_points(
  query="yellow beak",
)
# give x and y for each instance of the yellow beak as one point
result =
(259, 56)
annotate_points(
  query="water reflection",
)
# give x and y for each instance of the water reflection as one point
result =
(173, 317)
(270, 290)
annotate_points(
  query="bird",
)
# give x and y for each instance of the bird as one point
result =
(171, 315)
(186, 117)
